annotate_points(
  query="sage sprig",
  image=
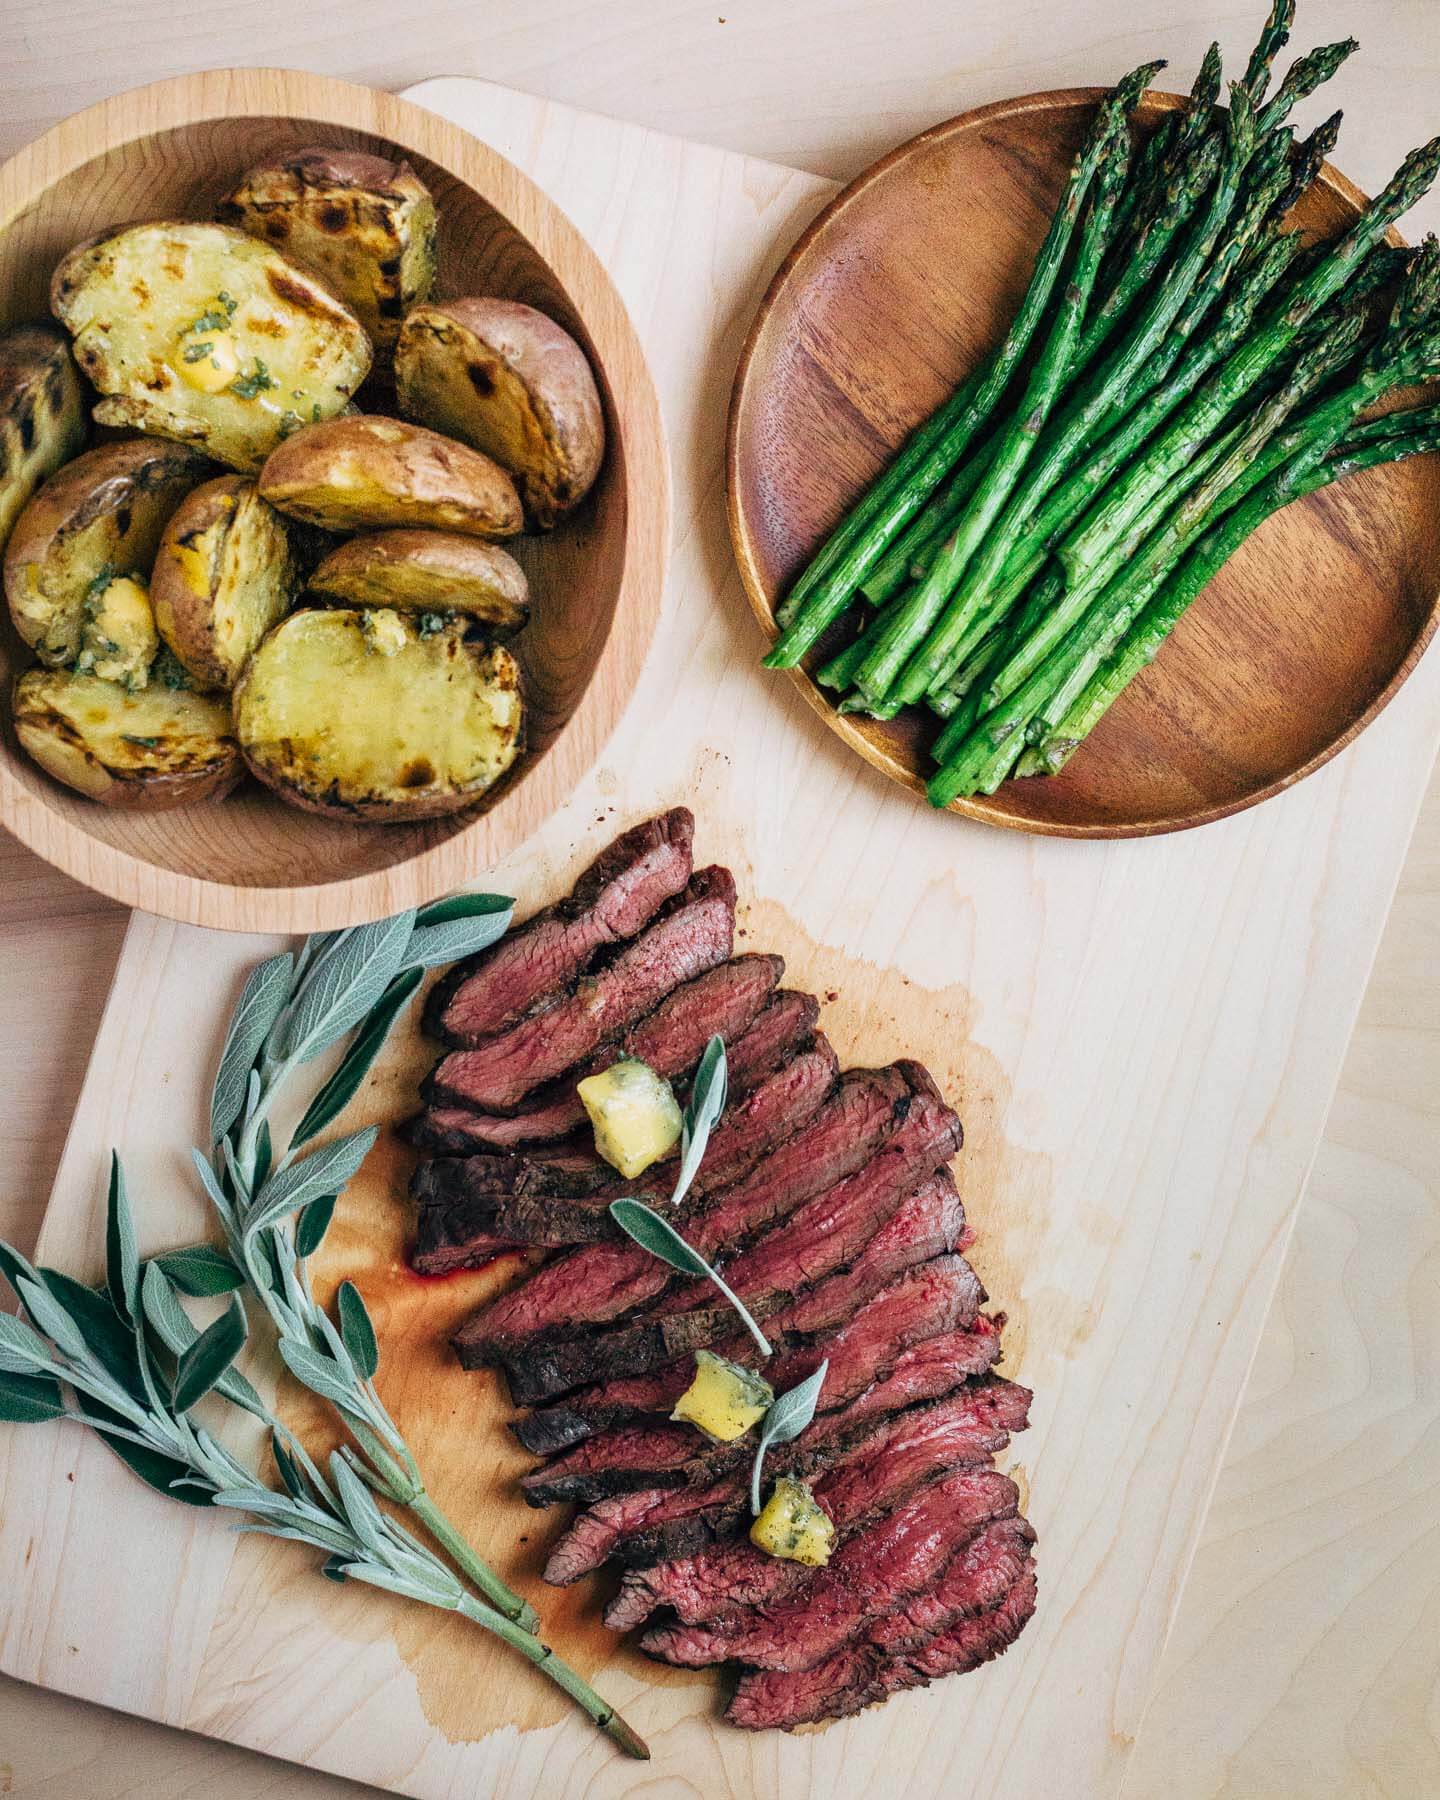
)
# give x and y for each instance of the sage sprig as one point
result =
(129, 1362)
(787, 1416)
(646, 1227)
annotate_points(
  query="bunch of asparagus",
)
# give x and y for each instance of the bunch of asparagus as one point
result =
(1181, 366)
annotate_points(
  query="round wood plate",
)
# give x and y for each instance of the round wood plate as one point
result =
(889, 298)
(249, 862)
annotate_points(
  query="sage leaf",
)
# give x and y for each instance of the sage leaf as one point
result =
(356, 1331)
(290, 1474)
(200, 1270)
(344, 982)
(358, 1503)
(177, 1331)
(334, 1568)
(266, 989)
(706, 1103)
(122, 1253)
(166, 1474)
(109, 1339)
(787, 1417)
(344, 1084)
(29, 1399)
(22, 1349)
(314, 1223)
(321, 1374)
(463, 906)
(324, 1171)
(264, 1156)
(448, 940)
(645, 1227)
(207, 1359)
(13, 1265)
(210, 1181)
(52, 1318)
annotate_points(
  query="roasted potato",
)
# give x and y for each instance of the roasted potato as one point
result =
(427, 572)
(146, 751)
(350, 474)
(364, 225)
(201, 333)
(42, 414)
(369, 715)
(100, 516)
(225, 572)
(506, 380)
(119, 640)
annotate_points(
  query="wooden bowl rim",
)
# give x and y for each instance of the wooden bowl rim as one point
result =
(990, 809)
(211, 95)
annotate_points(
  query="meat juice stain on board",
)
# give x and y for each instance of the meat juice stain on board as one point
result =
(468, 1684)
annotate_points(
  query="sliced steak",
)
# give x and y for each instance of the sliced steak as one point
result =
(901, 1555)
(854, 1677)
(692, 934)
(909, 1450)
(659, 1524)
(618, 894)
(724, 1002)
(830, 1231)
(919, 1225)
(923, 1305)
(456, 1180)
(434, 1253)
(975, 1580)
(602, 1281)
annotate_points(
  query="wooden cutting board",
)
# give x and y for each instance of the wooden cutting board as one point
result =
(1142, 1037)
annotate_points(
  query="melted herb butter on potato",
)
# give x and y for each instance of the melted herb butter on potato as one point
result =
(118, 641)
(201, 333)
(345, 715)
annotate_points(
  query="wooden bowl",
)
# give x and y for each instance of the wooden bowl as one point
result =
(250, 862)
(889, 298)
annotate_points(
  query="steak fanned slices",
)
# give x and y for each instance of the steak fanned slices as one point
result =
(692, 934)
(910, 1449)
(618, 894)
(919, 1225)
(603, 1281)
(855, 1677)
(977, 1579)
(724, 1002)
(632, 1456)
(900, 1555)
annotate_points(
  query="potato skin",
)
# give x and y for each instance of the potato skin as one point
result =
(427, 571)
(133, 300)
(225, 572)
(101, 514)
(68, 724)
(506, 379)
(373, 472)
(42, 414)
(366, 227)
(358, 714)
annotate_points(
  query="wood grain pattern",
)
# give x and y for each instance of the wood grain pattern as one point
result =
(249, 862)
(1170, 1016)
(896, 292)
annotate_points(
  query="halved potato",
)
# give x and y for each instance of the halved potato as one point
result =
(507, 380)
(427, 572)
(364, 225)
(42, 414)
(100, 516)
(348, 474)
(225, 572)
(202, 333)
(363, 715)
(146, 751)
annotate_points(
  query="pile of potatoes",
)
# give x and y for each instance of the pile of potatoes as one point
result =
(267, 576)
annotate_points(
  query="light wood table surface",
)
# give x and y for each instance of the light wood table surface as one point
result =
(1305, 1656)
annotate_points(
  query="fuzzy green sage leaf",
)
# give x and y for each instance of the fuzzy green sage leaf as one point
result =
(265, 992)
(644, 1226)
(788, 1416)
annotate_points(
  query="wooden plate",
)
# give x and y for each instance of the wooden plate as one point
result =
(887, 300)
(249, 862)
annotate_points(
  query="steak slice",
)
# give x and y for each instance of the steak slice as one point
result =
(854, 1677)
(923, 1305)
(828, 1232)
(723, 1002)
(977, 1579)
(909, 1450)
(658, 1524)
(781, 1104)
(901, 1555)
(921, 1224)
(618, 894)
(455, 1180)
(692, 934)
(604, 1280)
